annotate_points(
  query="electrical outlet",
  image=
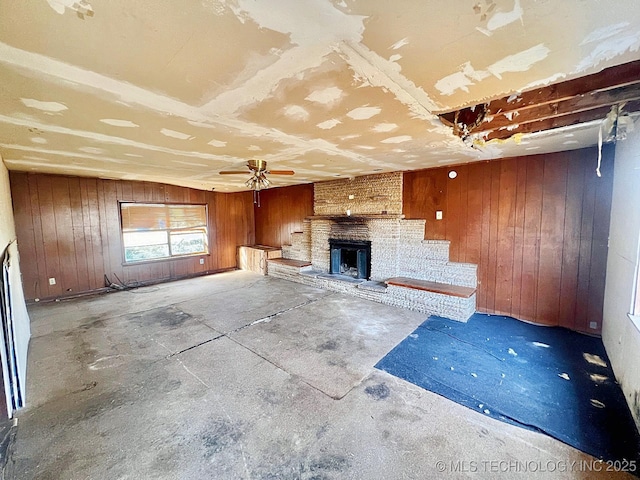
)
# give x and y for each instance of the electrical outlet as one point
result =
(593, 325)
(52, 281)
(351, 197)
(438, 214)
(202, 261)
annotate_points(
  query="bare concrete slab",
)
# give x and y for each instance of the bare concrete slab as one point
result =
(260, 298)
(331, 343)
(116, 395)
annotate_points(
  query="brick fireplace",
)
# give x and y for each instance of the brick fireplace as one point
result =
(359, 242)
(350, 257)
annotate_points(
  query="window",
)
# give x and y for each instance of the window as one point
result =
(154, 231)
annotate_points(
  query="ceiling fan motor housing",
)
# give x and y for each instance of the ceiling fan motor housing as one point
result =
(257, 165)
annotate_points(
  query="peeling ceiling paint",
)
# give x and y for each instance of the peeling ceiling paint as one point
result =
(326, 88)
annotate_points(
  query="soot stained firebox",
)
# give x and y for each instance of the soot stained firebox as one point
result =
(350, 257)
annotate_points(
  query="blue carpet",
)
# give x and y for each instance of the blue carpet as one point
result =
(547, 379)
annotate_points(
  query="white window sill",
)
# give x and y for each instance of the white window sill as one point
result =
(635, 319)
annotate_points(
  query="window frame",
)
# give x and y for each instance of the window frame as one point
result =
(168, 232)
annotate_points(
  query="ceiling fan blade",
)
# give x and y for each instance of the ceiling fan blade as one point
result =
(281, 172)
(235, 172)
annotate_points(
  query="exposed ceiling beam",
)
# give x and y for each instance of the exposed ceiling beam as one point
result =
(568, 103)
(559, 121)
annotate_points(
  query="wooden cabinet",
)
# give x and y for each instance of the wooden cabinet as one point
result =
(254, 257)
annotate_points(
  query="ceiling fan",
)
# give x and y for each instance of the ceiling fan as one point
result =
(258, 179)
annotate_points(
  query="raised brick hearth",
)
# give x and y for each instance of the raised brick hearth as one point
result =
(398, 250)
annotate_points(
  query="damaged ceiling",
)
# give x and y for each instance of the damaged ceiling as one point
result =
(177, 92)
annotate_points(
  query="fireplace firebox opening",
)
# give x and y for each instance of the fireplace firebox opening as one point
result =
(351, 258)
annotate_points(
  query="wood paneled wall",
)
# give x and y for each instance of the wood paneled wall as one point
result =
(536, 226)
(281, 212)
(69, 228)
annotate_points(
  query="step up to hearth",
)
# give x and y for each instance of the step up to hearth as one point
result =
(373, 286)
(287, 268)
(341, 278)
(290, 262)
(435, 287)
(433, 298)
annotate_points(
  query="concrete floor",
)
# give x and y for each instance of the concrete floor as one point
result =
(242, 376)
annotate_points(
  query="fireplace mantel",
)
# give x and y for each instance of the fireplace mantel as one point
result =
(357, 218)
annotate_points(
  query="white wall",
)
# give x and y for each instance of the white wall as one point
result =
(7, 227)
(21, 325)
(620, 336)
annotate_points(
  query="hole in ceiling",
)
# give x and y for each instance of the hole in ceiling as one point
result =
(581, 100)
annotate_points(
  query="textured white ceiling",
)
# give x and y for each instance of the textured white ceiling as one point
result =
(175, 92)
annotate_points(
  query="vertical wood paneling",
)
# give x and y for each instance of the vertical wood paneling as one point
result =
(551, 239)
(79, 239)
(281, 212)
(600, 245)
(483, 273)
(506, 236)
(571, 243)
(91, 215)
(492, 264)
(68, 275)
(519, 233)
(463, 176)
(69, 228)
(531, 244)
(536, 227)
(473, 224)
(22, 207)
(49, 236)
(453, 225)
(111, 238)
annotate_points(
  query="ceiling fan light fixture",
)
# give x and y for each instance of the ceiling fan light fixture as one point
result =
(258, 180)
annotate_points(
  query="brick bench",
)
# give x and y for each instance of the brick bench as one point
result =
(435, 287)
(287, 268)
(432, 298)
(290, 262)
